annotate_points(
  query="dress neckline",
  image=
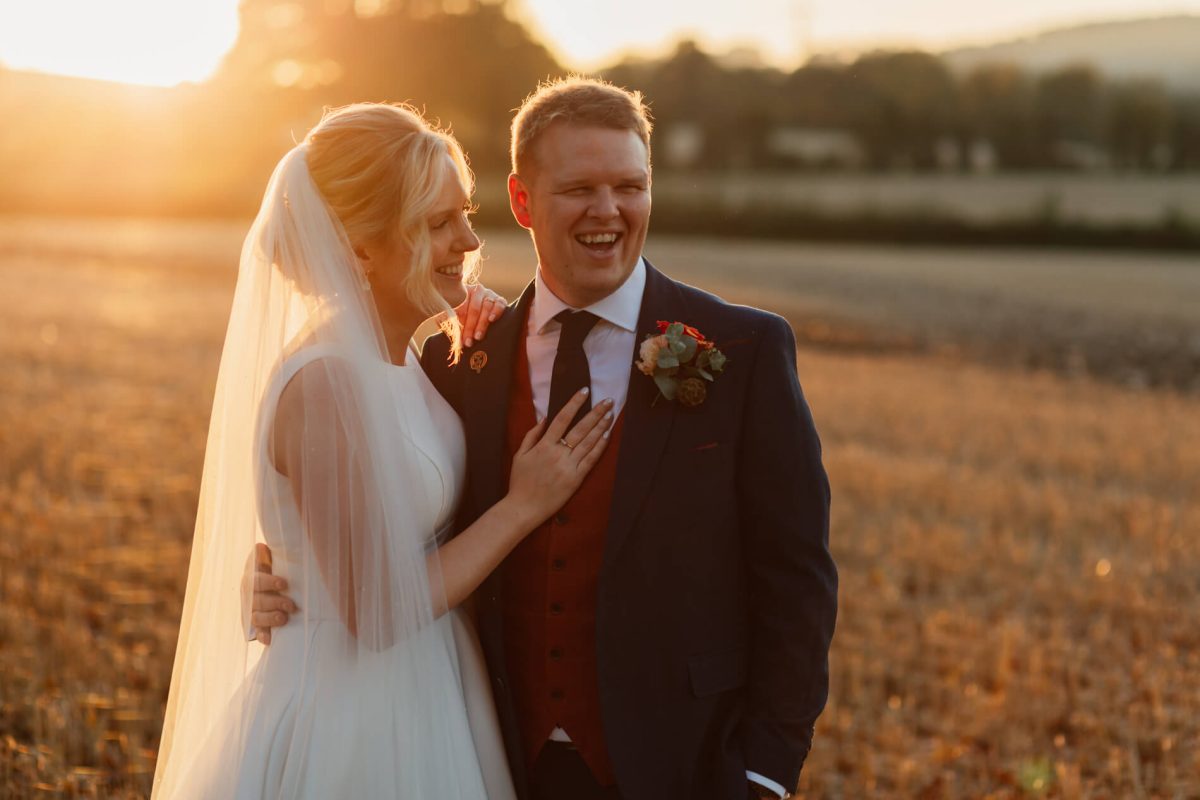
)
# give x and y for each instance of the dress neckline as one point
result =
(411, 358)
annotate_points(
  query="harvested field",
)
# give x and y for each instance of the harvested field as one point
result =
(1017, 533)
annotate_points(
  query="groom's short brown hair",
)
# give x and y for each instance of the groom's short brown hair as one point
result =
(581, 101)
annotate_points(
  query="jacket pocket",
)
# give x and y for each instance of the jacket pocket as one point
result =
(718, 671)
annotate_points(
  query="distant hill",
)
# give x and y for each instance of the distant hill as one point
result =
(1165, 47)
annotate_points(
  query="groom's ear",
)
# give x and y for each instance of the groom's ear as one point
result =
(518, 200)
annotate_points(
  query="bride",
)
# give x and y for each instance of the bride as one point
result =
(328, 444)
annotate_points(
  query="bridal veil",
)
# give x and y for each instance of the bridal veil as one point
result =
(372, 712)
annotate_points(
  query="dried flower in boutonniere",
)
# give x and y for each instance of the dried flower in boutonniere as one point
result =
(681, 361)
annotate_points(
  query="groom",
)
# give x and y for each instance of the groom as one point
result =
(666, 634)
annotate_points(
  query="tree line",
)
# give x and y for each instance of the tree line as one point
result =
(79, 146)
(908, 110)
(472, 61)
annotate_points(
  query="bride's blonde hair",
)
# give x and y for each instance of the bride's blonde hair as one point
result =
(379, 167)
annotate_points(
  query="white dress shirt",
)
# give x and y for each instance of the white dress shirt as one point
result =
(609, 348)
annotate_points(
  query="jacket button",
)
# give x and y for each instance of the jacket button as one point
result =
(558, 564)
(561, 519)
(557, 694)
(555, 654)
(556, 608)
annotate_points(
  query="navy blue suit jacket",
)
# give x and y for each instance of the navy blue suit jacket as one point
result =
(718, 593)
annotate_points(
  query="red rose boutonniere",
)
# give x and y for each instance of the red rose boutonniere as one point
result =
(681, 361)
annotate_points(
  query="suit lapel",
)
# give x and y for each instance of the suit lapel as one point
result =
(647, 424)
(487, 401)
(648, 421)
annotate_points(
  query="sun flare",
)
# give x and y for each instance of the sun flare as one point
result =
(150, 42)
(166, 42)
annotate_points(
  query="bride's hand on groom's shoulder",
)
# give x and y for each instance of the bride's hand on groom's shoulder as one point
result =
(269, 607)
(481, 308)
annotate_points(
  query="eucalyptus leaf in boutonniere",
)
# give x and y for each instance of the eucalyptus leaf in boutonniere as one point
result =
(681, 362)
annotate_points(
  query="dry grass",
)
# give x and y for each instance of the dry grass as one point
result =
(1018, 597)
(1017, 549)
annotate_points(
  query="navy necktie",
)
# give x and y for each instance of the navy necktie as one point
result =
(571, 373)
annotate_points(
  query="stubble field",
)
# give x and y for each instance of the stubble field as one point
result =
(1014, 448)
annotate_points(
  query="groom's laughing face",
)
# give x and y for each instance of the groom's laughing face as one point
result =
(585, 196)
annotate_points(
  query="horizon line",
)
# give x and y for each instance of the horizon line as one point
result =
(828, 51)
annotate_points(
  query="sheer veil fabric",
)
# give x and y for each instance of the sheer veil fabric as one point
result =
(360, 694)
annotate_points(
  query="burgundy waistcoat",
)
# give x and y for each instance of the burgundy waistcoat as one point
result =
(550, 583)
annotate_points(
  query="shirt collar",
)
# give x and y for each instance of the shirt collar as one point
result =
(621, 308)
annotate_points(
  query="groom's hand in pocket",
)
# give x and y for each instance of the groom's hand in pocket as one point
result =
(269, 607)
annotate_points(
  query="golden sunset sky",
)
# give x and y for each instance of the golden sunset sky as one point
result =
(164, 42)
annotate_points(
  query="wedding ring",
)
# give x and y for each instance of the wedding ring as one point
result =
(563, 442)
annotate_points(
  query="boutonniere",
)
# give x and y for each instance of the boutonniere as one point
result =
(681, 361)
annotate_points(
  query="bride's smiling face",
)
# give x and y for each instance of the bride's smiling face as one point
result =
(451, 240)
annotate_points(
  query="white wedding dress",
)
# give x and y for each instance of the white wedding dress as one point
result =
(298, 686)
(366, 692)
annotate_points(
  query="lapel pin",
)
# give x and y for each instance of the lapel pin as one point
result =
(478, 361)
